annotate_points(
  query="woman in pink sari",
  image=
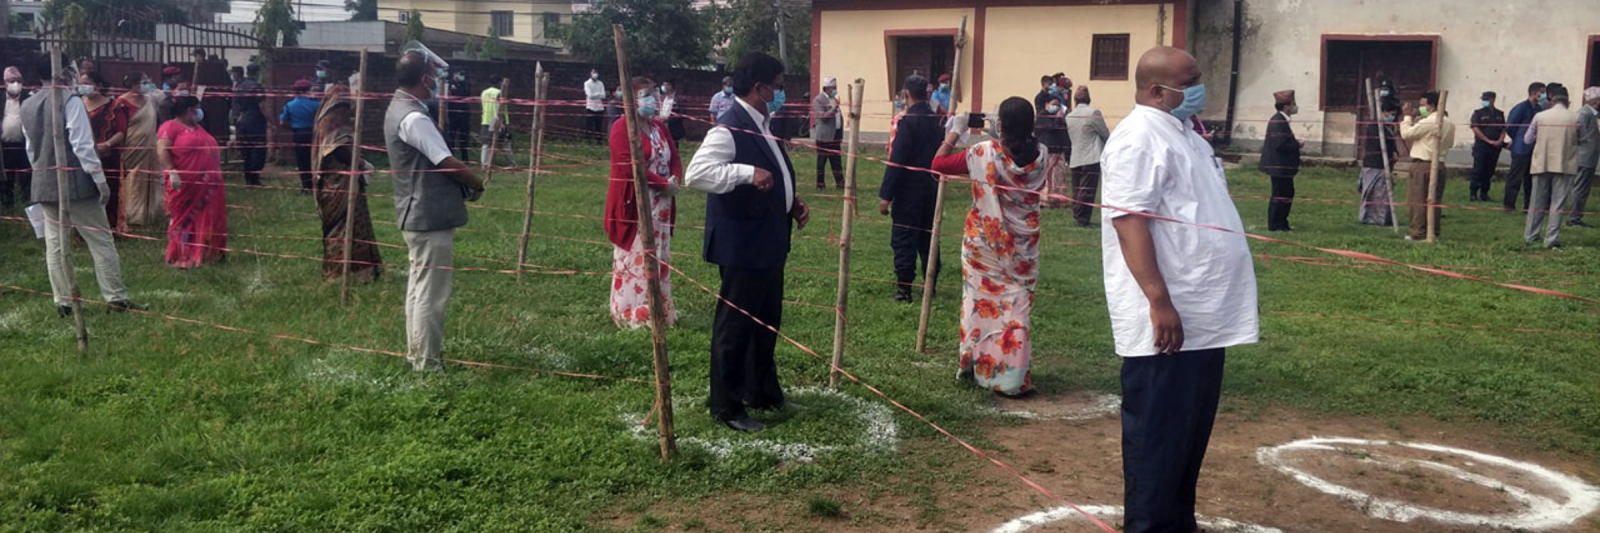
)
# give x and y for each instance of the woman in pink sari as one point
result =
(198, 232)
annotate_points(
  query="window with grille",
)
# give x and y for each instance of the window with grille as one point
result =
(405, 17)
(1109, 57)
(502, 22)
(552, 25)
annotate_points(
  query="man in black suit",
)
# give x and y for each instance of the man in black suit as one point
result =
(751, 207)
(1280, 160)
(911, 193)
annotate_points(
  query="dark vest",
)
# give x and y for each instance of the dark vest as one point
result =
(747, 228)
(36, 120)
(424, 198)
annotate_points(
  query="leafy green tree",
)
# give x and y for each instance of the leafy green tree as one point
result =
(752, 26)
(362, 10)
(75, 22)
(492, 48)
(275, 21)
(414, 28)
(660, 32)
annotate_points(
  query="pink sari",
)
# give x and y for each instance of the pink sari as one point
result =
(199, 230)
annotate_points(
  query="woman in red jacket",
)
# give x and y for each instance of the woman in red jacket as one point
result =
(664, 169)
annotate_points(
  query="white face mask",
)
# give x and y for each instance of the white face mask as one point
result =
(14, 88)
(85, 89)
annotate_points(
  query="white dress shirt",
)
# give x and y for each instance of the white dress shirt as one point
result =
(80, 135)
(1155, 163)
(712, 170)
(594, 92)
(11, 127)
(667, 101)
(419, 131)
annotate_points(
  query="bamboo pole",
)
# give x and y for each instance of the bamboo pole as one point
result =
(647, 238)
(352, 184)
(541, 85)
(1383, 147)
(494, 136)
(928, 281)
(64, 195)
(1434, 170)
(846, 226)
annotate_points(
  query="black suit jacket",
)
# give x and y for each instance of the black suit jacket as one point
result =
(1280, 151)
(916, 140)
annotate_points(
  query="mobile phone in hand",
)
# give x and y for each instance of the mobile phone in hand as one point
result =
(975, 120)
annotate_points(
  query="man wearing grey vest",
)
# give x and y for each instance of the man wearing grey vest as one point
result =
(87, 192)
(431, 189)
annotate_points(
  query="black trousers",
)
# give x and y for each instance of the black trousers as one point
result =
(594, 122)
(302, 155)
(1085, 185)
(911, 238)
(743, 373)
(1280, 204)
(253, 147)
(458, 134)
(828, 154)
(1169, 403)
(1484, 159)
(1518, 179)
(17, 175)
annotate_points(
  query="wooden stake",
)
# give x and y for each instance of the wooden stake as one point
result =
(647, 238)
(541, 84)
(846, 225)
(64, 195)
(1383, 146)
(928, 281)
(1434, 170)
(352, 184)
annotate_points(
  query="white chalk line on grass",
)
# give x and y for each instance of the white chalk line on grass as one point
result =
(1541, 512)
(1099, 405)
(1114, 512)
(881, 433)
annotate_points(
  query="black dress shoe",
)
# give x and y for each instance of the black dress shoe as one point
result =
(785, 406)
(123, 306)
(743, 424)
(1578, 223)
(903, 296)
(64, 310)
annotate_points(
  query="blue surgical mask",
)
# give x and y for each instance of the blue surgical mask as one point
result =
(147, 87)
(1544, 99)
(728, 91)
(648, 107)
(944, 86)
(1484, 104)
(776, 103)
(166, 86)
(199, 115)
(1194, 101)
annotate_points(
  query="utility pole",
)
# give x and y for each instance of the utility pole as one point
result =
(783, 40)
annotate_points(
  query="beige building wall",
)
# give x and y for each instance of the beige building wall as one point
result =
(1023, 43)
(473, 16)
(853, 46)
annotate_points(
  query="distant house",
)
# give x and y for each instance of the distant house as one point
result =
(1326, 49)
(526, 21)
(1010, 44)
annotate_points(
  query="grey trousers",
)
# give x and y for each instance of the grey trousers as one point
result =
(1580, 192)
(1549, 196)
(428, 295)
(89, 216)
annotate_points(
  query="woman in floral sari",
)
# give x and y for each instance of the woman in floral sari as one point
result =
(664, 170)
(108, 119)
(141, 171)
(1000, 248)
(330, 163)
(198, 232)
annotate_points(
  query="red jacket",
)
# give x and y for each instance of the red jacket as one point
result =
(622, 211)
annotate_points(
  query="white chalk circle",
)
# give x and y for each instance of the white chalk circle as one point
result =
(1096, 405)
(1541, 512)
(1107, 513)
(880, 431)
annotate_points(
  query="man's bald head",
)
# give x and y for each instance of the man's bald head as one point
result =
(1163, 68)
(410, 70)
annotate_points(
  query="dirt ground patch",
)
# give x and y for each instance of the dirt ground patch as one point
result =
(1080, 460)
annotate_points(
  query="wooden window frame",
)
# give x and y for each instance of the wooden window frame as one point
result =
(1322, 74)
(511, 22)
(1094, 57)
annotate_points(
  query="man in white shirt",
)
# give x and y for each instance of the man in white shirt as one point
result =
(431, 188)
(594, 102)
(78, 170)
(751, 208)
(14, 168)
(1179, 293)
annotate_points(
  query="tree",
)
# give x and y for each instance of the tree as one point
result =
(75, 23)
(274, 23)
(492, 48)
(660, 32)
(362, 10)
(752, 26)
(414, 28)
(471, 49)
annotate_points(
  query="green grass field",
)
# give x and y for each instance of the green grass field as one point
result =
(172, 427)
